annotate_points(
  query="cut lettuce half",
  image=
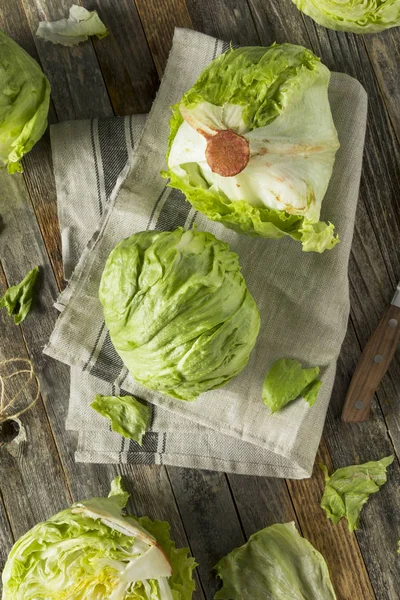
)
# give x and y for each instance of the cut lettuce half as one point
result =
(92, 551)
(286, 380)
(357, 16)
(349, 488)
(252, 144)
(80, 25)
(275, 564)
(128, 416)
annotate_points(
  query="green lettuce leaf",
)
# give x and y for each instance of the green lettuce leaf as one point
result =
(178, 311)
(128, 416)
(275, 564)
(18, 299)
(357, 16)
(80, 25)
(287, 380)
(349, 488)
(24, 103)
(274, 101)
(92, 551)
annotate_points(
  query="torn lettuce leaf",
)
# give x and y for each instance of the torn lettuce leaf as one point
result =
(92, 550)
(356, 16)
(252, 144)
(275, 564)
(349, 488)
(80, 25)
(24, 103)
(128, 416)
(287, 380)
(18, 299)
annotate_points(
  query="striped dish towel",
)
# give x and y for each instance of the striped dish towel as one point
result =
(108, 187)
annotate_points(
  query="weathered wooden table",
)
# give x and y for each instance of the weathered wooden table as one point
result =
(210, 512)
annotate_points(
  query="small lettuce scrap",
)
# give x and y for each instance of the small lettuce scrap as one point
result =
(80, 25)
(92, 550)
(349, 488)
(275, 564)
(287, 380)
(18, 299)
(128, 416)
(356, 16)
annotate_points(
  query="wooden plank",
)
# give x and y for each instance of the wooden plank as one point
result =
(124, 57)
(228, 20)
(159, 19)
(77, 84)
(28, 494)
(261, 501)
(210, 519)
(336, 544)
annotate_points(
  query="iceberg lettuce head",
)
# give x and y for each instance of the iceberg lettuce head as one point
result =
(252, 144)
(357, 16)
(91, 551)
(178, 311)
(24, 103)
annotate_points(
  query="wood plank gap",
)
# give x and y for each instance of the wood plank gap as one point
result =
(250, 7)
(235, 505)
(184, 529)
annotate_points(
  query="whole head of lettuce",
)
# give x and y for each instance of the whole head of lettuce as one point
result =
(24, 103)
(178, 311)
(252, 144)
(92, 551)
(357, 16)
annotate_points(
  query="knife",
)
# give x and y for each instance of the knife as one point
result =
(374, 362)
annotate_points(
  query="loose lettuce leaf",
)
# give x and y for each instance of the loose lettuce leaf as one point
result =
(24, 103)
(275, 564)
(349, 488)
(76, 556)
(287, 380)
(128, 416)
(178, 311)
(276, 99)
(80, 25)
(357, 16)
(18, 299)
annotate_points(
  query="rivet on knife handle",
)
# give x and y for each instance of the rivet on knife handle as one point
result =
(374, 362)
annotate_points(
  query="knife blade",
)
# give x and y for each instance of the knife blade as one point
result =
(373, 364)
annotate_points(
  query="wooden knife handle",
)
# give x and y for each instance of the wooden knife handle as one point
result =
(373, 364)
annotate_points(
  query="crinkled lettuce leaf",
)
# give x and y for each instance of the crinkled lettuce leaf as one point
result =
(275, 564)
(286, 380)
(128, 416)
(349, 488)
(24, 103)
(357, 16)
(18, 299)
(91, 550)
(276, 99)
(80, 25)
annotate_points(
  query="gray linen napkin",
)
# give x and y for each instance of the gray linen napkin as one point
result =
(303, 298)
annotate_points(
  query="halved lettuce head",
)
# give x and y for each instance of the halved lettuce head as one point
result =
(252, 144)
(357, 16)
(91, 551)
(275, 564)
(178, 311)
(24, 103)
